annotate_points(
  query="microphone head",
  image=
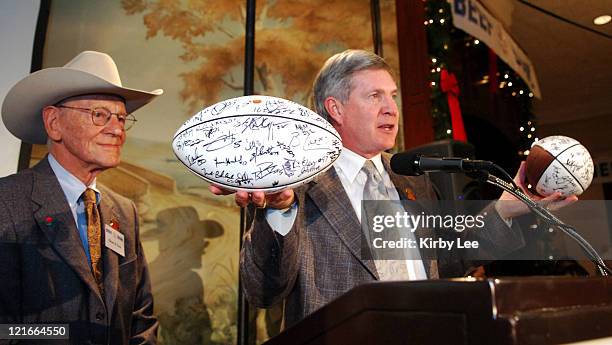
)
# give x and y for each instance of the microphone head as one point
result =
(406, 163)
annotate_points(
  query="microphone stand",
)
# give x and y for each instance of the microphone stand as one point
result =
(545, 214)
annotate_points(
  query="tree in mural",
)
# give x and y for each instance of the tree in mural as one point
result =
(293, 39)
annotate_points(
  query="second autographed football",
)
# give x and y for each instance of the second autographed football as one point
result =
(559, 164)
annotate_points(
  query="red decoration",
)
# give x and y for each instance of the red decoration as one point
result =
(448, 85)
(48, 220)
(114, 224)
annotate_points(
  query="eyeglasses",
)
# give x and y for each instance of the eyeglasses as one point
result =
(101, 116)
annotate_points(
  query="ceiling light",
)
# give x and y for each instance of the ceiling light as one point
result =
(601, 20)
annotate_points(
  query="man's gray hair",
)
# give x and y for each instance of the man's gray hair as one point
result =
(335, 77)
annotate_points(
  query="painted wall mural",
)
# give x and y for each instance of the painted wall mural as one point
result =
(194, 50)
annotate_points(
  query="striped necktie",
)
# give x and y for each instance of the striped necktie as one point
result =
(374, 189)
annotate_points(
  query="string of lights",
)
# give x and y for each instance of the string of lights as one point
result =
(443, 37)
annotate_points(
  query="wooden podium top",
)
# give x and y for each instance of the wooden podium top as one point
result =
(533, 310)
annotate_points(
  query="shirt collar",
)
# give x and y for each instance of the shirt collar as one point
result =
(351, 163)
(72, 187)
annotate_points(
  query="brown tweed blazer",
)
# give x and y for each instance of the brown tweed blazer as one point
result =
(44, 270)
(319, 259)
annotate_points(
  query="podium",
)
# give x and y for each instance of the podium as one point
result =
(533, 310)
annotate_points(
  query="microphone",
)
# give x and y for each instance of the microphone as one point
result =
(414, 164)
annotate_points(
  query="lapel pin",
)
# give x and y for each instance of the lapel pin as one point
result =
(48, 221)
(410, 194)
(114, 224)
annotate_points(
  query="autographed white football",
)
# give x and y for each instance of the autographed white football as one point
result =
(559, 164)
(257, 143)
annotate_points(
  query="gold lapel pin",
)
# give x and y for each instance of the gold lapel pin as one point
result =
(409, 194)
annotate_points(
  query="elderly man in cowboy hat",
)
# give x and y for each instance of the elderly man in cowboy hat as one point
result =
(70, 251)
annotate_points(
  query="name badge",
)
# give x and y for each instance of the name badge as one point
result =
(114, 240)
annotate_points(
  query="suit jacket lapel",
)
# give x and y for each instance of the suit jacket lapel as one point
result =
(329, 196)
(409, 189)
(55, 220)
(110, 258)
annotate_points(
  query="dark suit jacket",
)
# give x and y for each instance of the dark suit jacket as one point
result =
(44, 270)
(320, 258)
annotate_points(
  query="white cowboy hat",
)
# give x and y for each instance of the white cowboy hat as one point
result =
(89, 72)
